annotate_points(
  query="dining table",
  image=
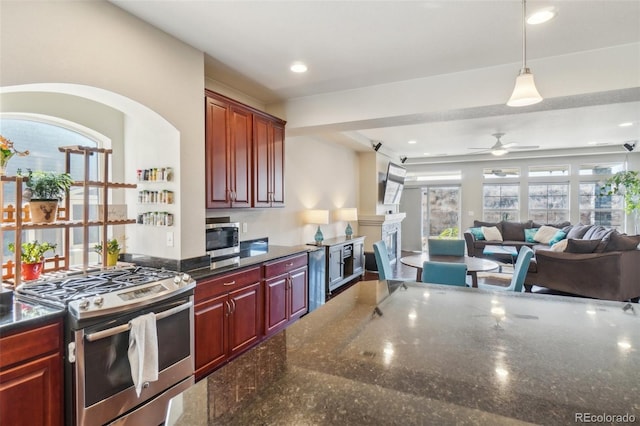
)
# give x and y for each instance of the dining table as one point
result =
(474, 264)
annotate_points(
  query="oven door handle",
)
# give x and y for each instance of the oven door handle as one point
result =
(92, 337)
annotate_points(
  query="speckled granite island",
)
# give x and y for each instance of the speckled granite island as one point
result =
(432, 354)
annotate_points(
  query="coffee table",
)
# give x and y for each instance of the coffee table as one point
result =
(474, 264)
(495, 250)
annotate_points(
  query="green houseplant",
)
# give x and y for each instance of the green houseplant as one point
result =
(627, 184)
(44, 190)
(113, 251)
(32, 257)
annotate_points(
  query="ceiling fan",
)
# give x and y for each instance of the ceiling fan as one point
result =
(500, 149)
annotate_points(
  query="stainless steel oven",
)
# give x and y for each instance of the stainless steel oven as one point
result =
(222, 239)
(104, 389)
(100, 306)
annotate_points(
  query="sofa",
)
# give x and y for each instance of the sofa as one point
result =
(591, 260)
(511, 234)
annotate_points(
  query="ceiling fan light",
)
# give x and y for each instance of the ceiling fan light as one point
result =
(498, 152)
(524, 92)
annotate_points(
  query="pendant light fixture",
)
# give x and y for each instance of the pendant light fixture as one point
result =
(525, 92)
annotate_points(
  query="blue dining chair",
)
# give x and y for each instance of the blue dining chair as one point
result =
(444, 273)
(445, 247)
(519, 273)
(382, 260)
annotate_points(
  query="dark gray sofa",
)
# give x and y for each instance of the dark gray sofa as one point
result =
(597, 262)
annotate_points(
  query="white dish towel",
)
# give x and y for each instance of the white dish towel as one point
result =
(143, 350)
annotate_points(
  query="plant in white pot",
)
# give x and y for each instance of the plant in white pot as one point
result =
(44, 190)
(32, 257)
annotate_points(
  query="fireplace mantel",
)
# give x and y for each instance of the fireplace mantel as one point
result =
(381, 219)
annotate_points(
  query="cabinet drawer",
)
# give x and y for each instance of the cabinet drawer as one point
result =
(30, 344)
(282, 266)
(225, 283)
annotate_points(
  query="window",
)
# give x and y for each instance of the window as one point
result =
(42, 138)
(549, 203)
(501, 173)
(501, 202)
(548, 171)
(595, 209)
(600, 210)
(440, 212)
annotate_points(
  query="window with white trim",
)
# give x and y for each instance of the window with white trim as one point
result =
(501, 202)
(597, 209)
(440, 212)
(549, 202)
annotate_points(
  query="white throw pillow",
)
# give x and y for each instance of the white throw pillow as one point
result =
(491, 233)
(545, 234)
(560, 245)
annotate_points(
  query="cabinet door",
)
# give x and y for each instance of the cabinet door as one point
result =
(358, 258)
(31, 393)
(277, 169)
(240, 135)
(275, 314)
(210, 325)
(245, 319)
(268, 142)
(217, 171)
(336, 266)
(298, 293)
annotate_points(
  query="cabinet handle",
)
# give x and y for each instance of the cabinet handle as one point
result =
(290, 264)
(228, 308)
(230, 283)
(233, 302)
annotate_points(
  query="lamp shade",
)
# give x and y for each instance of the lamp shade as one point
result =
(347, 215)
(524, 92)
(317, 217)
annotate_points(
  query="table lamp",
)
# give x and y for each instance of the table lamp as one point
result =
(318, 217)
(348, 215)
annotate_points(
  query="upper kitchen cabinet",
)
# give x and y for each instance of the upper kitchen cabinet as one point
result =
(244, 152)
(227, 154)
(268, 178)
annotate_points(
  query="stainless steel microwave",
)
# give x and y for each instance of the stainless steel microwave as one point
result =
(222, 239)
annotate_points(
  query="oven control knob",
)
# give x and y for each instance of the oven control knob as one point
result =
(186, 278)
(84, 304)
(98, 300)
(177, 280)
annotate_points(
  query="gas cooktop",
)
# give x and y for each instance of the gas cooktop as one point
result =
(106, 292)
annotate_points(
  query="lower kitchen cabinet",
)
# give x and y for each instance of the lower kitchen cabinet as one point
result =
(286, 292)
(31, 382)
(228, 317)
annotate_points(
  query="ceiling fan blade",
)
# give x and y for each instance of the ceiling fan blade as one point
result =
(525, 147)
(509, 145)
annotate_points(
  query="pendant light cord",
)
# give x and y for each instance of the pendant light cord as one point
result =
(524, 34)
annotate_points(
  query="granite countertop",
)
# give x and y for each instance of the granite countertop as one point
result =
(436, 355)
(27, 315)
(274, 252)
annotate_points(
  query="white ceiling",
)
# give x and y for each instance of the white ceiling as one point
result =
(356, 44)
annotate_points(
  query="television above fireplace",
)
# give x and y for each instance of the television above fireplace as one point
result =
(394, 184)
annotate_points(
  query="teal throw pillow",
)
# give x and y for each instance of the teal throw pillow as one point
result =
(477, 233)
(529, 234)
(560, 235)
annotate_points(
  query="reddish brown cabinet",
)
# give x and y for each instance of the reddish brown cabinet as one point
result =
(228, 154)
(228, 317)
(244, 155)
(268, 178)
(31, 383)
(286, 292)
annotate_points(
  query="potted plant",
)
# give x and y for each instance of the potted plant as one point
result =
(627, 184)
(32, 258)
(43, 191)
(113, 251)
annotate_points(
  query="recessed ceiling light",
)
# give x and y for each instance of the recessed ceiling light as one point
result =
(426, 153)
(626, 124)
(411, 142)
(541, 16)
(298, 67)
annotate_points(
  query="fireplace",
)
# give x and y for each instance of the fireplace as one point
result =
(381, 227)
